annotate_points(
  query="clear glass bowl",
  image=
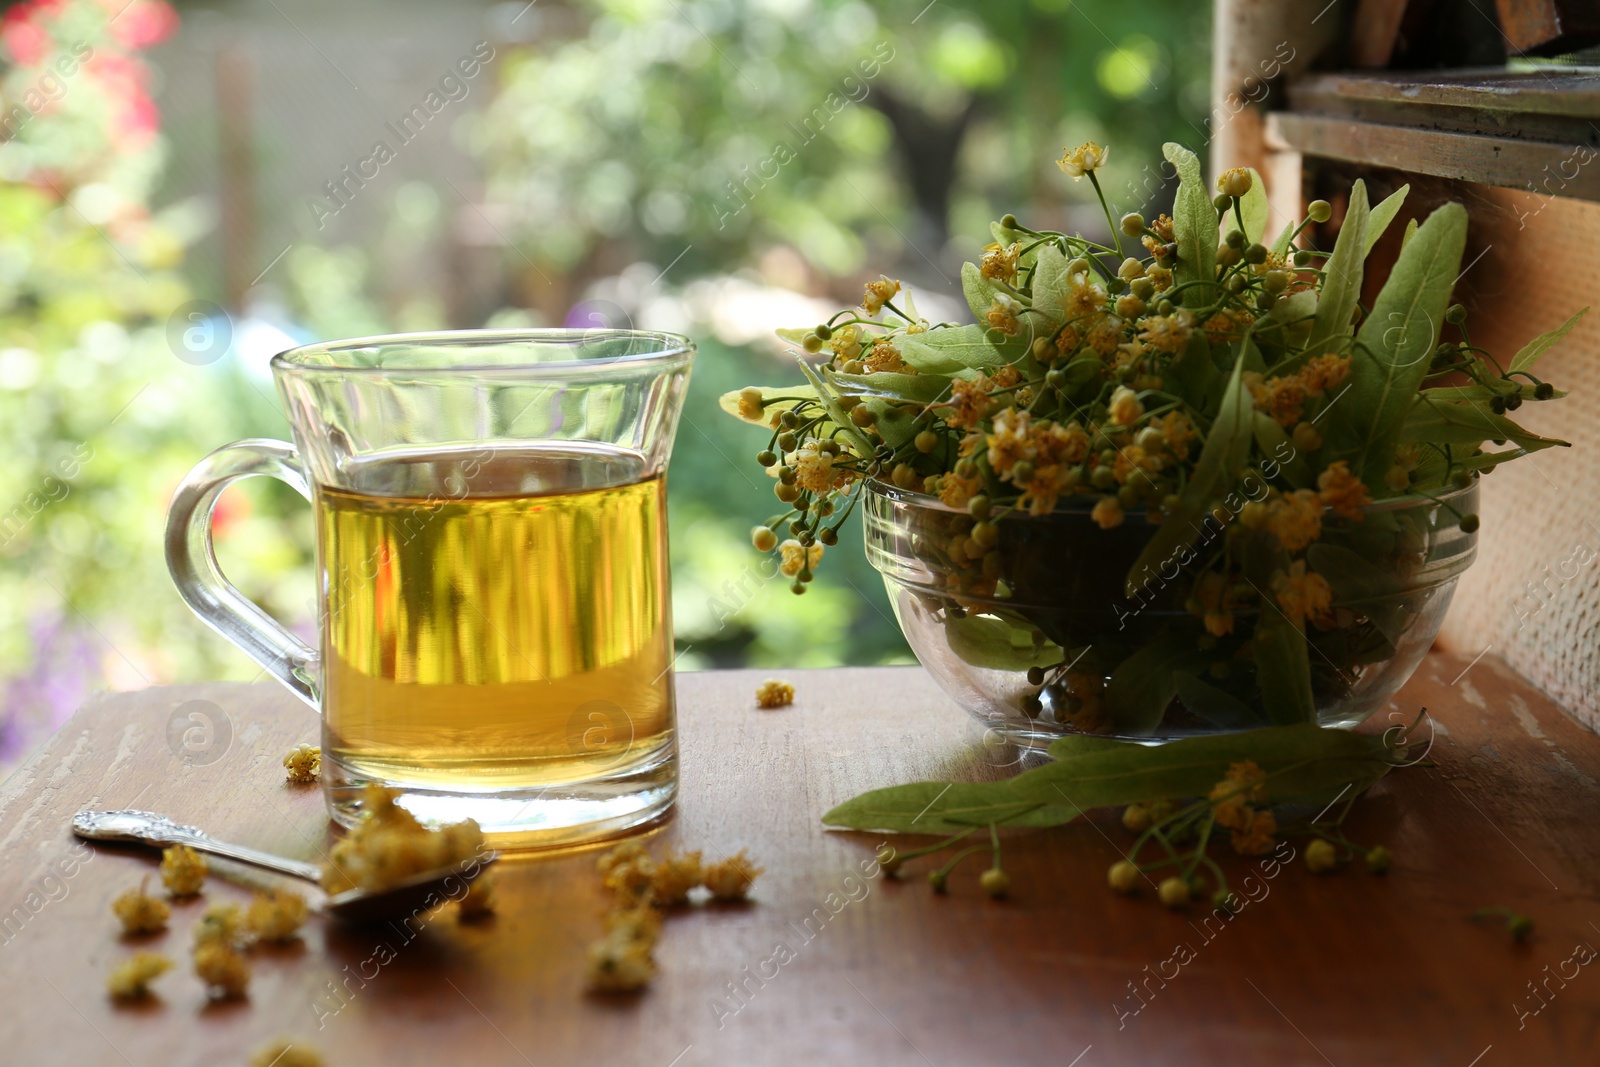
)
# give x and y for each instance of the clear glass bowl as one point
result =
(1050, 596)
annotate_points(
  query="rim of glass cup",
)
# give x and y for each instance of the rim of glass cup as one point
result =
(1077, 506)
(322, 357)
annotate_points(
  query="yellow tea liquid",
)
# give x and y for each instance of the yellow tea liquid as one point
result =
(496, 619)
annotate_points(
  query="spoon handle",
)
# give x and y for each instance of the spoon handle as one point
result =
(148, 828)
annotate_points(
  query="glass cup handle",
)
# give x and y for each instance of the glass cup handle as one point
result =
(193, 561)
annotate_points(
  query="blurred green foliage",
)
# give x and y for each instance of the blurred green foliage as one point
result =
(704, 134)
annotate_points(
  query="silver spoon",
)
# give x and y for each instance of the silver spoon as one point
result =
(356, 905)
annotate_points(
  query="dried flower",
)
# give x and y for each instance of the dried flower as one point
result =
(276, 915)
(674, 877)
(222, 924)
(140, 914)
(183, 870)
(773, 693)
(131, 979)
(286, 1054)
(225, 972)
(389, 845)
(303, 763)
(731, 879)
(619, 964)
(1085, 159)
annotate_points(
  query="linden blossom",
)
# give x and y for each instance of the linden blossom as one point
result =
(452, 89)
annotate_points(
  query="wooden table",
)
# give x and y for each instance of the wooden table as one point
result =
(1346, 969)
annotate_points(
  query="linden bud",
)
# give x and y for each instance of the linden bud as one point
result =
(1143, 288)
(1222, 201)
(1236, 239)
(1136, 818)
(1133, 224)
(1253, 516)
(811, 343)
(854, 366)
(1078, 266)
(979, 507)
(965, 468)
(1520, 926)
(798, 588)
(1306, 438)
(1256, 254)
(1044, 349)
(824, 331)
(936, 879)
(788, 420)
(1544, 391)
(766, 457)
(786, 493)
(986, 535)
(889, 860)
(1455, 314)
(1379, 860)
(1123, 877)
(787, 441)
(828, 536)
(1131, 268)
(1470, 523)
(1223, 900)
(1275, 281)
(926, 441)
(1021, 472)
(1321, 856)
(1174, 892)
(904, 475)
(1035, 675)
(1008, 221)
(995, 882)
(763, 538)
(1319, 211)
(863, 416)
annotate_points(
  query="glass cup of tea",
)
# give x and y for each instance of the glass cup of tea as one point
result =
(491, 529)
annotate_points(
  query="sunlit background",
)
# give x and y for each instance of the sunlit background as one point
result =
(185, 190)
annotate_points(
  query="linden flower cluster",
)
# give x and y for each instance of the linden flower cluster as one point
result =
(389, 845)
(1238, 803)
(641, 888)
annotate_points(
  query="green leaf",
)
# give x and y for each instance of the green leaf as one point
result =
(830, 404)
(1226, 448)
(1283, 665)
(1305, 764)
(792, 394)
(1341, 289)
(978, 290)
(1273, 440)
(1394, 348)
(1214, 705)
(1050, 285)
(1194, 375)
(916, 388)
(1280, 247)
(1194, 225)
(1142, 686)
(1525, 359)
(1255, 209)
(1484, 392)
(1465, 424)
(1411, 231)
(996, 644)
(1382, 215)
(958, 348)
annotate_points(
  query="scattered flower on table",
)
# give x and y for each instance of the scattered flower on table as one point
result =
(774, 693)
(183, 870)
(222, 924)
(224, 971)
(731, 879)
(304, 763)
(287, 1054)
(140, 913)
(131, 979)
(276, 915)
(389, 845)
